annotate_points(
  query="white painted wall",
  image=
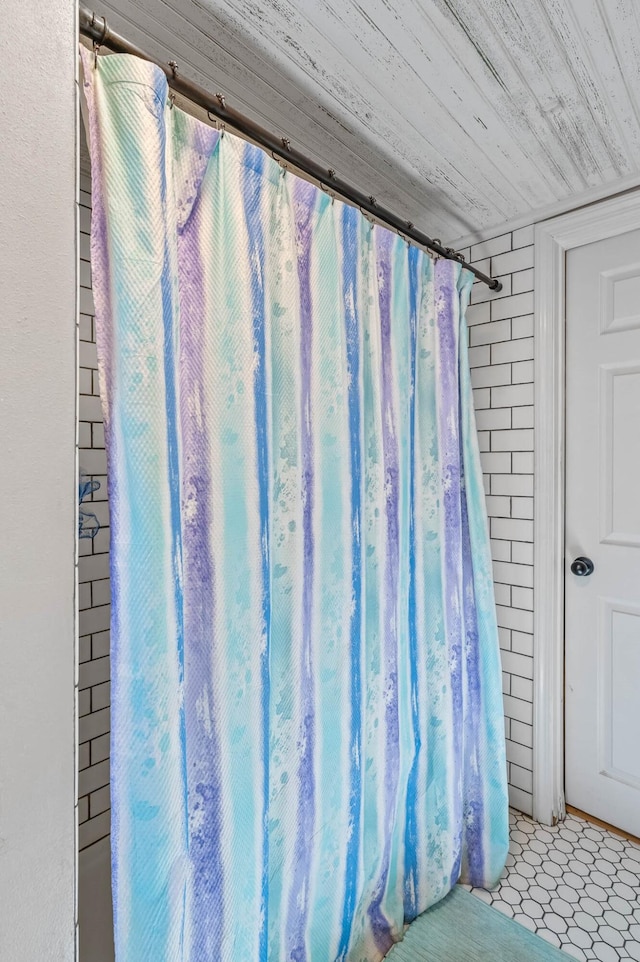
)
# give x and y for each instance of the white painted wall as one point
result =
(37, 480)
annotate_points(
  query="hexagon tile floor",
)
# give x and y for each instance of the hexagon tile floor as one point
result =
(576, 885)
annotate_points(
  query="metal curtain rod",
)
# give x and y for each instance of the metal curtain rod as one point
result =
(97, 29)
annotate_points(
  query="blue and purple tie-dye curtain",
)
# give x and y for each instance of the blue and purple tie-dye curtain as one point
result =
(307, 729)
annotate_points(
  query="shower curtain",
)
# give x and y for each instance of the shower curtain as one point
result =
(307, 730)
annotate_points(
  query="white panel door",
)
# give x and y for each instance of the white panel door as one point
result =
(602, 629)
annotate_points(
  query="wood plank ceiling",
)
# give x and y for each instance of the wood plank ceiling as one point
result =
(458, 114)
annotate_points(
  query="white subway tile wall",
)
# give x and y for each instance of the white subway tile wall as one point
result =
(93, 572)
(501, 358)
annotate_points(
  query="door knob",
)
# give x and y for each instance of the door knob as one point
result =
(582, 567)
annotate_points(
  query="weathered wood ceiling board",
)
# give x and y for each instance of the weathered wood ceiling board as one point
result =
(459, 114)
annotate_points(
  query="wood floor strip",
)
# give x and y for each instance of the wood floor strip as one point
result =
(598, 821)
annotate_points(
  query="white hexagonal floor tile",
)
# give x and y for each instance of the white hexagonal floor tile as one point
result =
(575, 884)
(579, 937)
(574, 951)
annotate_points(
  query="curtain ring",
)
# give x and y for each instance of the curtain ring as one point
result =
(330, 193)
(454, 256)
(409, 227)
(280, 162)
(217, 123)
(98, 43)
(367, 216)
(332, 196)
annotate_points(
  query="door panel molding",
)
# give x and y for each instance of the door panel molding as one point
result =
(609, 694)
(553, 238)
(609, 323)
(609, 532)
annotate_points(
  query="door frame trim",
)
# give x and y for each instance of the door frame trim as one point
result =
(552, 239)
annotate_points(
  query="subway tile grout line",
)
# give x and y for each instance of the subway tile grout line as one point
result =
(94, 670)
(502, 347)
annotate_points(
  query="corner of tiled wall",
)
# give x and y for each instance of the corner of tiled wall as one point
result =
(93, 569)
(501, 356)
